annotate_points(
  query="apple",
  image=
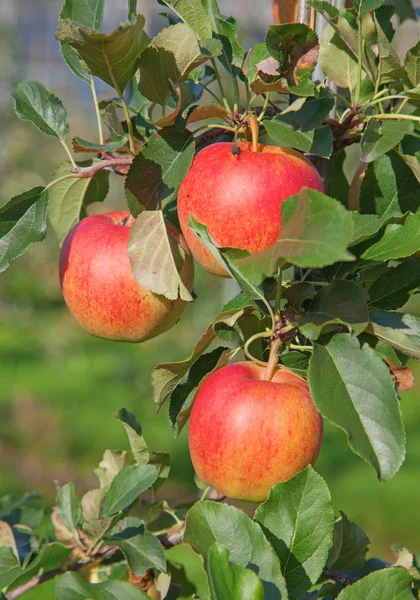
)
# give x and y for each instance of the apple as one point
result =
(246, 434)
(99, 288)
(238, 196)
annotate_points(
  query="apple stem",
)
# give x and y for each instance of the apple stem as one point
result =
(273, 359)
(254, 127)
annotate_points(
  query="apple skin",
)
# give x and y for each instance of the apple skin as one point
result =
(238, 198)
(101, 292)
(246, 434)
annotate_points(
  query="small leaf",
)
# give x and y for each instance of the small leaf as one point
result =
(412, 65)
(298, 520)
(73, 586)
(317, 141)
(89, 13)
(387, 584)
(209, 522)
(155, 257)
(9, 567)
(141, 452)
(140, 547)
(68, 507)
(158, 170)
(398, 241)
(380, 137)
(127, 486)
(91, 503)
(352, 387)
(230, 579)
(194, 14)
(297, 362)
(7, 538)
(114, 57)
(96, 528)
(80, 145)
(401, 331)
(207, 111)
(111, 464)
(23, 221)
(364, 6)
(390, 68)
(342, 302)
(393, 289)
(349, 547)
(336, 60)
(33, 102)
(69, 198)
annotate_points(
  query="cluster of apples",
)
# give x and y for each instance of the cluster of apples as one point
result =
(245, 433)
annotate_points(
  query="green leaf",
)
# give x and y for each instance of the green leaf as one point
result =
(114, 57)
(156, 257)
(183, 555)
(23, 221)
(296, 361)
(336, 60)
(7, 538)
(194, 14)
(89, 13)
(232, 55)
(69, 198)
(352, 387)
(308, 113)
(390, 68)
(9, 567)
(317, 141)
(412, 65)
(315, 231)
(182, 397)
(158, 170)
(386, 584)
(81, 145)
(380, 137)
(398, 241)
(230, 580)
(96, 528)
(127, 486)
(401, 331)
(366, 226)
(209, 522)
(364, 6)
(389, 188)
(69, 509)
(342, 302)
(298, 520)
(140, 547)
(166, 376)
(349, 547)
(393, 289)
(34, 103)
(72, 586)
(141, 452)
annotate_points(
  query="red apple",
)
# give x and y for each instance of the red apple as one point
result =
(239, 197)
(246, 434)
(100, 290)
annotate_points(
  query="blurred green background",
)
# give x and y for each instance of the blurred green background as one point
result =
(59, 387)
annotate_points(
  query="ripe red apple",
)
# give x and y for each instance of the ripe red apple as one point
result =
(100, 290)
(239, 197)
(246, 434)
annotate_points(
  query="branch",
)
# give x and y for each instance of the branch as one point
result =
(338, 577)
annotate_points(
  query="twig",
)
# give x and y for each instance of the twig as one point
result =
(338, 577)
(172, 538)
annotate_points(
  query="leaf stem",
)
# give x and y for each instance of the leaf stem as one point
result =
(69, 154)
(395, 116)
(62, 178)
(219, 81)
(264, 108)
(278, 292)
(394, 97)
(98, 114)
(401, 106)
(206, 87)
(359, 61)
(204, 494)
(298, 347)
(257, 336)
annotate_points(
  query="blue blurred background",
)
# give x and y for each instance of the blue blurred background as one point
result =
(59, 386)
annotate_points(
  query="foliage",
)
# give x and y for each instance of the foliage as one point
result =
(354, 268)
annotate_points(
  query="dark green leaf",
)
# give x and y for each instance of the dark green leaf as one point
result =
(182, 397)
(366, 226)
(209, 522)
(127, 486)
(317, 141)
(349, 547)
(69, 509)
(331, 10)
(89, 13)
(393, 289)
(296, 361)
(69, 198)
(352, 387)
(155, 257)
(140, 547)
(34, 103)
(364, 6)
(114, 57)
(232, 52)
(398, 241)
(308, 113)
(401, 331)
(412, 65)
(73, 586)
(386, 584)
(230, 580)
(23, 221)
(389, 188)
(194, 14)
(158, 170)
(141, 452)
(380, 137)
(342, 302)
(298, 520)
